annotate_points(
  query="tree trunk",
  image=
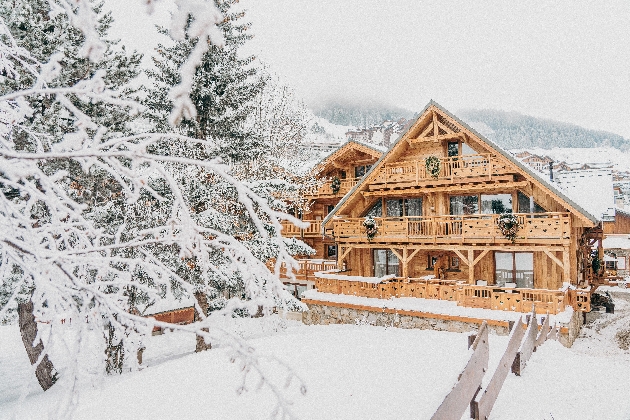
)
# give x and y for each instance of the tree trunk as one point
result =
(45, 372)
(202, 299)
(115, 352)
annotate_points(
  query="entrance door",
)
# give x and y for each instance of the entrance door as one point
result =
(385, 262)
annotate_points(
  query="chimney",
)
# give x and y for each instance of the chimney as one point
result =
(551, 170)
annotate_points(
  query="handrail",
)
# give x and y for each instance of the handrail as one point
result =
(462, 166)
(326, 188)
(549, 225)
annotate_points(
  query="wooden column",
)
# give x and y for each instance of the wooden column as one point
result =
(567, 266)
(471, 266)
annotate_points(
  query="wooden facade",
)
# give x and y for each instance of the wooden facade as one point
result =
(452, 209)
(348, 164)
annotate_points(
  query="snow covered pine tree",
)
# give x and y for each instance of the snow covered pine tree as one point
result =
(52, 243)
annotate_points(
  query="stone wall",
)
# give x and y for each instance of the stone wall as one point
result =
(325, 315)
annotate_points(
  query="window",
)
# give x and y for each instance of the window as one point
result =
(455, 263)
(526, 205)
(361, 170)
(490, 204)
(458, 148)
(406, 207)
(611, 265)
(496, 203)
(385, 263)
(343, 175)
(331, 252)
(329, 208)
(514, 267)
(376, 210)
(464, 204)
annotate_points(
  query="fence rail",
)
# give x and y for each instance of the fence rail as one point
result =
(472, 296)
(455, 167)
(289, 229)
(456, 228)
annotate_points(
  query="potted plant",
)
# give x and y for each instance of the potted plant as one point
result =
(509, 225)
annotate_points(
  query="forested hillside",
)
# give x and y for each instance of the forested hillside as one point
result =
(359, 114)
(512, 130)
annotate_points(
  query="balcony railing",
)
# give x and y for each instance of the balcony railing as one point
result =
(466, 166)
(484, 297)
(308, 268)
(326, 189)
(290, 230)
(455, 229)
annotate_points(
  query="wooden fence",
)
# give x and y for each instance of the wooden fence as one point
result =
(469, 392)
(472, 296)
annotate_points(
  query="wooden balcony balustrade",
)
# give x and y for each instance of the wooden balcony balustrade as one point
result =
(485, 297)
(308, 268)
(451, 168)
(535, 227)
(326, 189)
(290, 230)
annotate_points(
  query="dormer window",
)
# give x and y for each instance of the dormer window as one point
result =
(459, 148)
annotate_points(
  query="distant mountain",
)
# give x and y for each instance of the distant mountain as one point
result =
(512, 130)
(359, 114)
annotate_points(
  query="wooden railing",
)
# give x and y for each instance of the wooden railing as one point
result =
(308, 268)
(465, 228)
(485, 297)
(466, 166)
(326, 189)
(289, 229)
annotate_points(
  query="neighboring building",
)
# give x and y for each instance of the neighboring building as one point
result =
(380, 135)
(436, 197)
(617, 255)
(344, 167)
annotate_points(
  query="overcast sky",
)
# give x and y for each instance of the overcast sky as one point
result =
(566, 60)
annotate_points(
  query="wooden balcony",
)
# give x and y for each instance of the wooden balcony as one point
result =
(290, 230)
(325, 191)
(308, 268)
(484, 297)
(482, 166)
(535, 228)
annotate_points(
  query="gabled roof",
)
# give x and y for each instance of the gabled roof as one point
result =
(529, 172)
(350, 145)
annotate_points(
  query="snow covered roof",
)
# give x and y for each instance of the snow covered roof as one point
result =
(616, 241)
(592, 189)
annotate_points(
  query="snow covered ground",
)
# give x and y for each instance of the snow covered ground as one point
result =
(351, 372)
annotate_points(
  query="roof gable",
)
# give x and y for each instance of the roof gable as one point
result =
(347, 151)
(436, 124)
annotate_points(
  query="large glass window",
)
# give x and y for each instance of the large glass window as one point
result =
(464, 204)
(514, 267)
(399, 207)
(376, 210)
(496, 203)
(525, 205)
(385, 263)
(361, 170)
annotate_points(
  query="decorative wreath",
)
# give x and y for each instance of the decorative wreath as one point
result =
(509, 225)
(371, 228)
(596, 263)
(433, 166)
(335, 185)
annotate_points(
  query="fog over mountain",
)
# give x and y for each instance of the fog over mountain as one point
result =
(359, 113)
(512, 130)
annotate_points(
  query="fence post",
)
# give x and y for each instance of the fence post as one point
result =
(527, 346)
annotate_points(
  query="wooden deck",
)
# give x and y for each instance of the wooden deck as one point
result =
(290, 230)
(485, 297)
(535, 228)
(325, 191)
(308, 268)
(482, 166)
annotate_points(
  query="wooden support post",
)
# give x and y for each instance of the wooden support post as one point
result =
(471, 266)
(567, 267)
(405, 271)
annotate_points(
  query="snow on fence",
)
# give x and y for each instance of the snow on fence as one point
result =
(468, 391)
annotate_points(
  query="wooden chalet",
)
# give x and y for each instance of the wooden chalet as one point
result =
(442, 220)
(342, 170)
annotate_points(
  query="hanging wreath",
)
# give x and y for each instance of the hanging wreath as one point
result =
(596, 262)
(335, 185)
(371, 229)
(433, 166)
(509, 225)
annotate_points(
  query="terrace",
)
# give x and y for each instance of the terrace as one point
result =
(535, 228)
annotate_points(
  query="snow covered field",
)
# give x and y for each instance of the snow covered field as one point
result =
(351, 372)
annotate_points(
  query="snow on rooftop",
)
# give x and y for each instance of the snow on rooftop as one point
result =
(591, 189)
(616, 241)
